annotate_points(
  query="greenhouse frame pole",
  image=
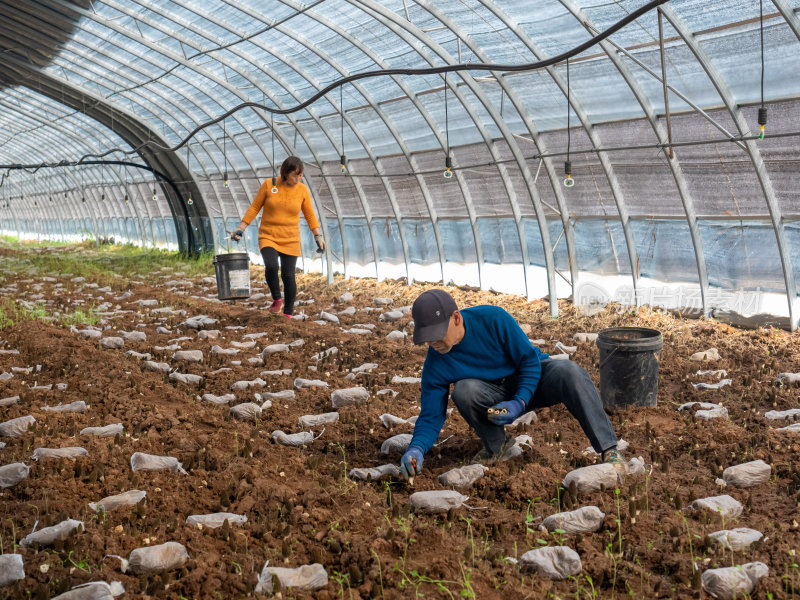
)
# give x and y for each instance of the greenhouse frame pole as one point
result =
(616, 189)
(608, 47)
(406, 29)
(755, 156)
(425, 114)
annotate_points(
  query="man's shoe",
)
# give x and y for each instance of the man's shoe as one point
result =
(507, 451)
(613, 456)
(276, 305)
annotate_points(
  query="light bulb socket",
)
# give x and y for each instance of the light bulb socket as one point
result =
(343, 162)
(762, 116)
(448, 162)
(225, 177)
(568, 168)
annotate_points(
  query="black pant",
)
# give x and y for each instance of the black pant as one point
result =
(288, 264)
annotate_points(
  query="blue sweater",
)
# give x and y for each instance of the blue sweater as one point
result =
(493, 347)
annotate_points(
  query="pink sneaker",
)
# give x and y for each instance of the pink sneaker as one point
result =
(287, 316)
(276, 305)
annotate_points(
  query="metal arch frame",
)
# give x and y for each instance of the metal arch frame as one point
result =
(36, 68)
(158, 94)
(411, 95)
(144, 93)
(755, 156)
(56, 90)
(376, 160)
(677, 172)
(521, 162)
(235, 92)
(169, 54)
(334, 194)
(789, 16)
(406, 29)
(521, 109)
(97, 66)
(323, 128)
(418, 40)
(149, 101)
(120, 110)
(29, 152)
(622, 209)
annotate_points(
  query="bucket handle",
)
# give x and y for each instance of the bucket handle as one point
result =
(607, 358)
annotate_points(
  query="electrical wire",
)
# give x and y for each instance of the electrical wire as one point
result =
(569, 136)
(446, 120)
(762, 112)
(761, 20)
(341, 108)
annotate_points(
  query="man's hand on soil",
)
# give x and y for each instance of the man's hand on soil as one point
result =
(411, 463)
(506, 412)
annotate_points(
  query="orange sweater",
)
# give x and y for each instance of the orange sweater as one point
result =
(280, 222)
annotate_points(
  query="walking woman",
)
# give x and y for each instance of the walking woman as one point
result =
(279, 232)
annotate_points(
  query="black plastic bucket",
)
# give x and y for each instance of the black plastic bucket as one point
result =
(233, 275)
(629, 366)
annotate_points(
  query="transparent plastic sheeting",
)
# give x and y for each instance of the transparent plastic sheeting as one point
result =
(738, 254)
(393, 214)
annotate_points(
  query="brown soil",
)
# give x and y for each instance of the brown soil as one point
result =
(302, 508)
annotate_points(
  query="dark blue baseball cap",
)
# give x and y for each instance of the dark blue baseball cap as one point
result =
(431, 313)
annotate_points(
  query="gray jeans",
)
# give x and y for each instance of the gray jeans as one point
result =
(561, 381)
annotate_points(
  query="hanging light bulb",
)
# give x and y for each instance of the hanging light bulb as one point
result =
(127, 199)
(448, 163)
(83, 199)
(274, 185)
(155, 195)
(190, 201)
(226, 179)
(568, 181)
(103, 198)
(762, 120)
(344, 163)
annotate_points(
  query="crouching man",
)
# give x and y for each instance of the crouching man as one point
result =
(498, 376)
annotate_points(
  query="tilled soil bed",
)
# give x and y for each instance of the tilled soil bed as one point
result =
(302, 507)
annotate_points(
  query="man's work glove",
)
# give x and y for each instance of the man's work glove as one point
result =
(506, 412)
(320, 243)
(411, 463)
(237, 235)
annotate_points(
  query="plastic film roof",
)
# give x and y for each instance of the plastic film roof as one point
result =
(102, 81)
